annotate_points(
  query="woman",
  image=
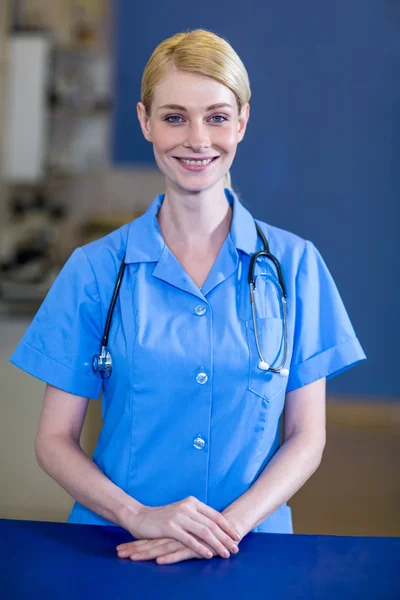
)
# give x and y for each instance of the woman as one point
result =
(189, 457)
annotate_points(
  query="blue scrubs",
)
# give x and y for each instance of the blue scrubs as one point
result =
(187, 411)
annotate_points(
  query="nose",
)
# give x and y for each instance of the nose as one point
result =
(197, 137)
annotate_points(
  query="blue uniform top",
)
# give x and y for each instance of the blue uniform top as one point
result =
(186, 410)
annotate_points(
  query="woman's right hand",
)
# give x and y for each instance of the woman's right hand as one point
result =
(189, 521)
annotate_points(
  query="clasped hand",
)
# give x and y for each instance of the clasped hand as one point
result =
(180, 531)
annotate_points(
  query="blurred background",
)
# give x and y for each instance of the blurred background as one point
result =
(320, 158)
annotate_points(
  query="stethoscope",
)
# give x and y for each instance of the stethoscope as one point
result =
(102, 363)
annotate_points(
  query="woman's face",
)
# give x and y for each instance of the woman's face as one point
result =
(193, 118)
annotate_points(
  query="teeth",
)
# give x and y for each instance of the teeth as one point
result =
(196, 162)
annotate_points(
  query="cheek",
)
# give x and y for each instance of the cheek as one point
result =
(227, 138)
(165, 138)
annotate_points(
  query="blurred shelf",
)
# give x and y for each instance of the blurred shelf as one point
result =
(100, 109)
(79, 113)
(84, 49)
(19, 309)
(15, 291)
(65, 176)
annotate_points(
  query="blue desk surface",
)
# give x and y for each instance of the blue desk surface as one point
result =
(59, 560)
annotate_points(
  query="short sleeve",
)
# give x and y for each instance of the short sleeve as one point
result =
(324, 343)
(65, 333)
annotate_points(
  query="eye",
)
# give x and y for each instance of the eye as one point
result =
(172, 119)
(220, 118)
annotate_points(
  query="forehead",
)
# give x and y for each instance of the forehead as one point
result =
(191, 90)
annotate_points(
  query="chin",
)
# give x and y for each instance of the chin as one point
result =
(197, 189)
(190, 186)
(198, 185)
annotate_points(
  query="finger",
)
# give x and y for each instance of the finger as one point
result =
(129, 544)
(178, 556)
(152, 553)
(220, 520)
(191, 541)
(125, 546)
(133, 548)
(137, 543)
(205, 532)
(128, 548)
(141, 543)
(225, 540)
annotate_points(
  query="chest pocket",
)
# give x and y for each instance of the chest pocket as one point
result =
(266, 384)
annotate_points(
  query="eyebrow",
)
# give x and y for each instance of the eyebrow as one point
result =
(183, 109)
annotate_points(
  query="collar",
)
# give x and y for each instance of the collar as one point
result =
(146, 244)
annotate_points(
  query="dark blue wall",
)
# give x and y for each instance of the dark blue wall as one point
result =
(321, 154)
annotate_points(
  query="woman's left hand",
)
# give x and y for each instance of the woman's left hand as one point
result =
(164, 550)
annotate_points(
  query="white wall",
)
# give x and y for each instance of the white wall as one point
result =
(26, 124)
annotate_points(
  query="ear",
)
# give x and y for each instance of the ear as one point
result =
(243, 119)
(144, 121)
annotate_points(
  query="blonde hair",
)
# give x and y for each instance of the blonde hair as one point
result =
(202, 52)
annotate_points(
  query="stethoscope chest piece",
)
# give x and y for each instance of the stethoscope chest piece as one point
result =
(102, 363)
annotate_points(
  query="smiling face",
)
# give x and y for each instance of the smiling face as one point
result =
(193, 118)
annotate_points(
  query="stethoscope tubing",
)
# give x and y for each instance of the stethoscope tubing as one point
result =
(102, 362)
(252, 283)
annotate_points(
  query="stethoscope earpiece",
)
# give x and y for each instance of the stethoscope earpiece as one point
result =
(266, 367)
(263, 365)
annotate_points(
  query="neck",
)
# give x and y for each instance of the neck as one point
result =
(195, 222)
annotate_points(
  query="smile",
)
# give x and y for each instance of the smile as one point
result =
(196, 165)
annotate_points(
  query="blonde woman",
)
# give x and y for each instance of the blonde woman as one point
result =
(197, 368)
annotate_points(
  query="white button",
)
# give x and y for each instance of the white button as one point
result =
(200, 310)
(199, 442)
(201, 378)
